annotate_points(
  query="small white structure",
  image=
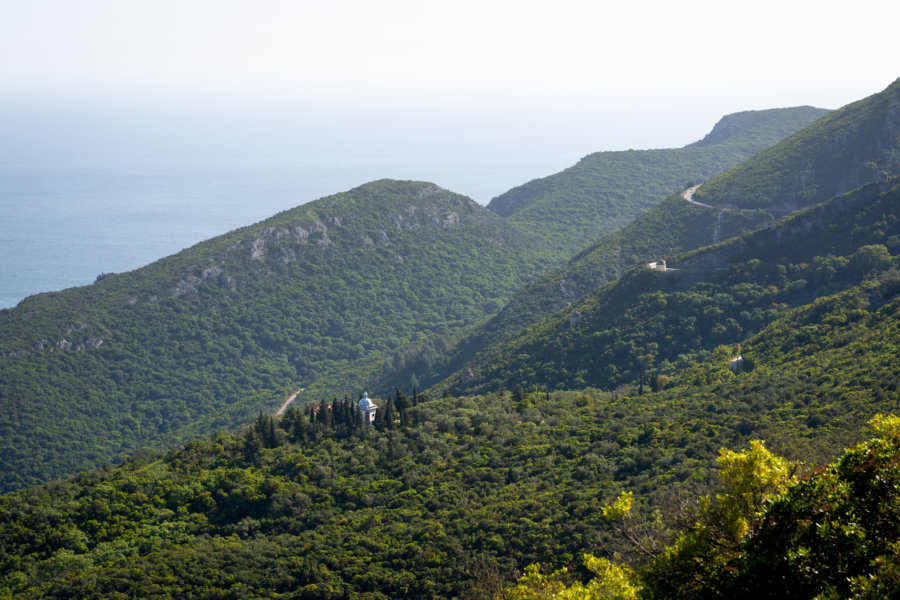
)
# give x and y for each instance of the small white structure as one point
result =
(367, 409)
(737, 364)
(659, 266)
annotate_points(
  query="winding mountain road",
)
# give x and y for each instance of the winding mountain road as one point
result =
(287, 402)
(688, 195)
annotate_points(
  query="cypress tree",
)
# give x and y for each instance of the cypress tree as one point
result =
(328, 418)
(401, 403)
(271, 436)
(379, 419)
(336, 414)
(299, 428)
(265, 430)
(349, 414)
(518, 394)
(252, 445)
(519, 398)
(389, 413)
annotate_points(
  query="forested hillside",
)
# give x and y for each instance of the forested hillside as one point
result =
(650, 322)
(606, 190)
(672, 227)
(455, 496)
(849, 148)
(316, 297)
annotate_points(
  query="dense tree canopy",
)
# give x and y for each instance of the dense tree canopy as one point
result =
(315, 298)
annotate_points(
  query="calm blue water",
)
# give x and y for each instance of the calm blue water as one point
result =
(62, 226)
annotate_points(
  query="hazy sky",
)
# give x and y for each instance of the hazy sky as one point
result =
(474, 76)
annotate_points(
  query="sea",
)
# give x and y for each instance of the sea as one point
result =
(63, 225)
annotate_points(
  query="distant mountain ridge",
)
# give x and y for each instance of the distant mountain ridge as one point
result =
(606, 190)
(749, 126)
(675, 226)
(839, 153)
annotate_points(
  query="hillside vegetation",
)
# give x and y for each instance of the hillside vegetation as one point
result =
(319, 298)
(848, 149)
(606, 190)
(316, 297)
(650, 322)
(471, 490)
(836, 154)
(830, 534)
(672, 227)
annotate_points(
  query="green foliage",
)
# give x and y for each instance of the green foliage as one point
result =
(611, 581)
(472, 492)
(650, 323)
(316, 297)
(620, 508)
(830, 535)
(749, 478)
(474, 489)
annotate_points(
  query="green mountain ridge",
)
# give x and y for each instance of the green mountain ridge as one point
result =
(606, 190)
(748, 127)
(315, 297)
(675, 226)
(842, 151)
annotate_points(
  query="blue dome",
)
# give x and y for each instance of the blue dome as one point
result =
(365, 402)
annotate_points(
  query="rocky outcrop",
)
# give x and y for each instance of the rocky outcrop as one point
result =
(76, 340)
